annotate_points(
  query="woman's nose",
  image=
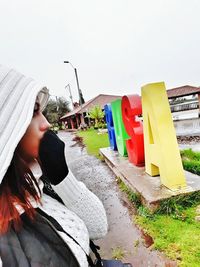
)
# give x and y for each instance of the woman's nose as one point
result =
(45, 125)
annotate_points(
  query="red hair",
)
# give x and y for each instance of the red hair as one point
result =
(17, 188)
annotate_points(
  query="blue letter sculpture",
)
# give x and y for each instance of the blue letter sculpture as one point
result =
(110, 126)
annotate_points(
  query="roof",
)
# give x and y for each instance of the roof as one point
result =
(183, 91)
(103, 99)
(100, 100)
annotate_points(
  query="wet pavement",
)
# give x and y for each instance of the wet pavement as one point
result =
(194, 147)
(123, 235)
(189, 141)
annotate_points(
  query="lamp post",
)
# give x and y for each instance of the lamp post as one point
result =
(79, 90)
(57, 106)
(70, 94)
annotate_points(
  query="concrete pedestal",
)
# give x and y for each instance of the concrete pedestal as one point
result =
(150, 188)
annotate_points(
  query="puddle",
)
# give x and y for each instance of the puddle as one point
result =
(148, 240)
(126, 203)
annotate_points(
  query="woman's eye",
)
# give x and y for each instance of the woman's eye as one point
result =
(36, 108)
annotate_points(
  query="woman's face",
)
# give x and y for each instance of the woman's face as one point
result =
(29, 144)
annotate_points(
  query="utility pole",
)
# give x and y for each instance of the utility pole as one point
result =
(70, 94)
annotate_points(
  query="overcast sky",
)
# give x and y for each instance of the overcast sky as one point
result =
(116, 45)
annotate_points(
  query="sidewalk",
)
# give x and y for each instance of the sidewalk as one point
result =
(122, 232)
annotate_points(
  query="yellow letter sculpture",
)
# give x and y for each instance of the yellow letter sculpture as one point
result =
(161, 148)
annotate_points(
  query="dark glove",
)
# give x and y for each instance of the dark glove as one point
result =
(52, 158)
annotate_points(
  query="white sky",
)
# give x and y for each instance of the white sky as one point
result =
(116, 45)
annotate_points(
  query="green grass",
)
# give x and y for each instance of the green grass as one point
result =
(178, 239)
(190, 154)
(191, 161)
(132, 196)
(118, 253)
(177, 205)
(94, 141)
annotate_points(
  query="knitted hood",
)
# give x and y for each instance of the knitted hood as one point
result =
(17, 98)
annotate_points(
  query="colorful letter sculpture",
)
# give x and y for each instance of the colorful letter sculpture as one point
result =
(110, 126)
(120, 132)
(161, 147)
(131, 108)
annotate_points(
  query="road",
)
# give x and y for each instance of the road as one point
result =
(123, 235)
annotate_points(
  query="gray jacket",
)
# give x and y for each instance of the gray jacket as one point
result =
(37, 244)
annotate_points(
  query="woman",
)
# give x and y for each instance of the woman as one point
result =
(35, 228)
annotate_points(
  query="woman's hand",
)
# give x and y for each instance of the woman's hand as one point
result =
(52, 158)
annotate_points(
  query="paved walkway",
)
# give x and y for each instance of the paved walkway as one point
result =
(122, 234)
(194, 147)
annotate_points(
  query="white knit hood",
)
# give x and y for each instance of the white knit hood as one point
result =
(17, 98)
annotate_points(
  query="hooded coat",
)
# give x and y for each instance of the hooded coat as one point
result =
(60, 233)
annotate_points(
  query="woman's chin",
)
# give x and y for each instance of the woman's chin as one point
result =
(30, 160)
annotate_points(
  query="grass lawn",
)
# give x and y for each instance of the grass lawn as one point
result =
(191, 161)
(177, 233)
(173, 227)
(94, 141)
(178, 239)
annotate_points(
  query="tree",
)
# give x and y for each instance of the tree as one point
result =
(62, 106)
(56, 109)
(97, 114)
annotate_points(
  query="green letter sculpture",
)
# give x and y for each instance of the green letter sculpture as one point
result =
(120, 132)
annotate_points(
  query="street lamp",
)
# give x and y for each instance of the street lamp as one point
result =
(57, 106)
(70, 94)
(77, 82)
(79, 90)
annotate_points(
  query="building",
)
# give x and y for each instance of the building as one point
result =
(73, 118)
(184, 102)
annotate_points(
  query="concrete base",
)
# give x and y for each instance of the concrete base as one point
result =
(150, 188)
